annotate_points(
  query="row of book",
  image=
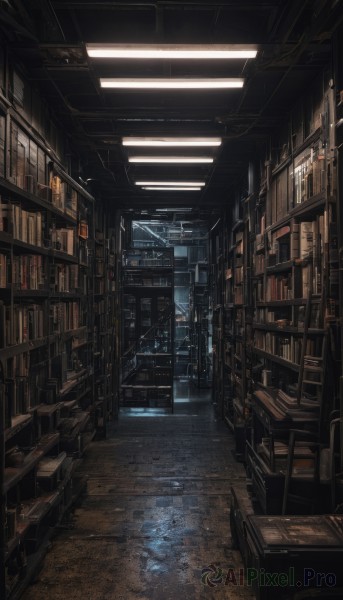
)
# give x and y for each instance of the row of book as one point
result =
(282, 346)
(83, 252)
(99, 270)
(287, 347)
(294, 185)
(99, 286)
(239, 275)
(308, 175)
(27, 272)
(63, 195)
(259, 263)
(4, 275)
(20, 323)
(64, 316)
(238, 295)
(267, 315)
(63, 239)
(299, 240)
(17, 398)
(24, 225)
(59, 193)
(279, 287)
(29, 226)
(64, 278)
(279, 242)
(27, 161)
(307, 239)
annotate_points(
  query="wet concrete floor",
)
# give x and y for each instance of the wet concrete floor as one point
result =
(154, 523)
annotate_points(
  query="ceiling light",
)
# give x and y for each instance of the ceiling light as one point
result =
(171, 51)
(164, 183)
(169, 141)
(170, 159)
(172, 188)
(188, 209)
(172, 84)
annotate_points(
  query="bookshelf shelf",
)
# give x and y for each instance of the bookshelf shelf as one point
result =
(147, 327)
(29, 226)
(277, 290)
(58, 314)
(13, 475)
(276, 359)
(287, 329)
(280, 267)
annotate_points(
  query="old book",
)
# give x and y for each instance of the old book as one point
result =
(306, 239)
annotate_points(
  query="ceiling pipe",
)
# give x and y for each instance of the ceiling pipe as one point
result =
(147, 229)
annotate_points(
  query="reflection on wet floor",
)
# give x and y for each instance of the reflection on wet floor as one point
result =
(156, 511)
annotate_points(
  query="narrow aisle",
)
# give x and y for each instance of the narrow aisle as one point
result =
(156, 512)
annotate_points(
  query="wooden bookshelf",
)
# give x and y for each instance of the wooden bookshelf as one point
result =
(56, 307)
(147, 328)
(277, 297)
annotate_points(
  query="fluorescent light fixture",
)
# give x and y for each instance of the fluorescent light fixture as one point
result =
(171, 51)
(188, 209)
(172, 84)
(170, 159)
(169, 188)
(166, 183)
(170, 141)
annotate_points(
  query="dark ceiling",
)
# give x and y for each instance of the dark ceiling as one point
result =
(49, 37)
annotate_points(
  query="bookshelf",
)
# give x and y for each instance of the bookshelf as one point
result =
(274, 276)
(50, 251)
(45, 355)
(231, 324)
(201, 374)
(216, 310)
(294, 314)
(182, 283)
(104, 320)
(148, 328)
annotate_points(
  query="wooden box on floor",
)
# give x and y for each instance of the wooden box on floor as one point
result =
(293, 557)
(241, 507)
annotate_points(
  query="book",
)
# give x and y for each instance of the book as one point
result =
(306, 239)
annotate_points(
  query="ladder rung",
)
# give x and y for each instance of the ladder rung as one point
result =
(312, 382)
(308, 357)
(313, 369)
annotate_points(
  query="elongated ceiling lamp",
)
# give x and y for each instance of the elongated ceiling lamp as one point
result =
(172, 51)
(172, 84)
(170, 141)
(171, 183)
(177, 188)
(170, 159)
